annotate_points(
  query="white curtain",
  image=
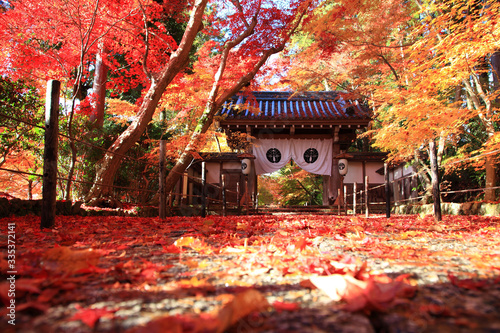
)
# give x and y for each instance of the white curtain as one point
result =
(312, 155)
(271, 155)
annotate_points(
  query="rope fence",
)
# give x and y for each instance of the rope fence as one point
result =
(363, 192)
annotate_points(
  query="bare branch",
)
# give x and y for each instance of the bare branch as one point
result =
(396, 76)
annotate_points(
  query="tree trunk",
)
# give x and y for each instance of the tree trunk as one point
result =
(72, 145)
(436, 194)
(112, 159)
(485, 115)
(99, 89)
(179, 59)
(30, 189)
(491, 179)
(425, 178)
(495, 67)
(491, 174)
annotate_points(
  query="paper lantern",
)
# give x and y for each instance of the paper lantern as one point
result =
(246, 166)
(343, 166)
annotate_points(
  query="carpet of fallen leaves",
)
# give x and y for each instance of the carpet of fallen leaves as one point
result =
(288, 273)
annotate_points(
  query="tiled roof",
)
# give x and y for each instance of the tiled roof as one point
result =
(280, 105)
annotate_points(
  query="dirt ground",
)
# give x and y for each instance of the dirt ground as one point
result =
(289, 273)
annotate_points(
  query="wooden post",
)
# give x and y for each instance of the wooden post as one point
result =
(256, 191)
(224, 203)
(354, 198)
(185, 190)
(387, 191)
(238, 194)
(49, 191)
(366, 197)
(339, 199)
(246, 194)
(163, 174)
(345, 199)
(436, 195)
(203, 189)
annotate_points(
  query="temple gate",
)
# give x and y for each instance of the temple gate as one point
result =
(314, 129)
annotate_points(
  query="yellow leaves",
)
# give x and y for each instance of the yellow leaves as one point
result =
(193, 243)
(414, 116)
(67, 260)
(409, 234)
(121, 108)
(194, 282)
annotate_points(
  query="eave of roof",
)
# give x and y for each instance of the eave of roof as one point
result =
(278, 107)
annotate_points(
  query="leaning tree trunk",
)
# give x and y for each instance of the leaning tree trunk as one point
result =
(179, 59)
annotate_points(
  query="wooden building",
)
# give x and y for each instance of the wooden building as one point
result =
(325, 116)
(274, 127)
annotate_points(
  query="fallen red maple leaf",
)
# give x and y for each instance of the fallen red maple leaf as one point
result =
(467, 283)
(285, 306)
(91, 316)
(22, 286)
(171, 249)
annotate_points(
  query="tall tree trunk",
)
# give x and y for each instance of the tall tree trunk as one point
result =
(491, 179)
(30, 189)
(179, 59)
(436, 193)
(72, 145)
(495, 67)
(476, 94)
(491, 172)
(99, 89)
(426, 178)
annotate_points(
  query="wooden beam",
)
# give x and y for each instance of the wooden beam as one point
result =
(336, 134)
(295, 136)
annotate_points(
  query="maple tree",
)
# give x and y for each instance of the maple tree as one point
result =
(444, 92)
(47, 39)
(298, 187)
(21, 108)
(20, 138)
(421, 65)
(159, 80)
